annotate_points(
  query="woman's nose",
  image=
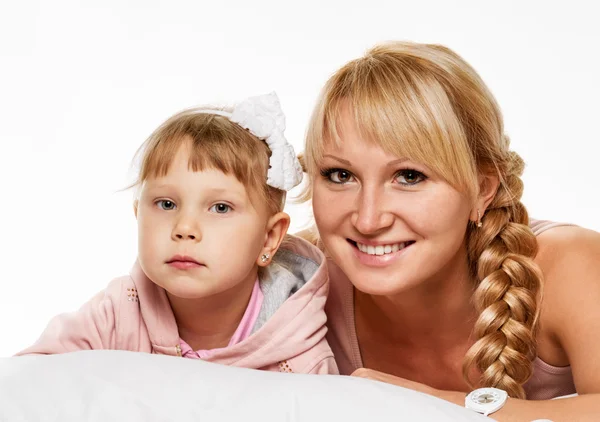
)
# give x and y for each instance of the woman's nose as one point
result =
(370, 215)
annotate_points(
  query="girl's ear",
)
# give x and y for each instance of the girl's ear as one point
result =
(277, 227)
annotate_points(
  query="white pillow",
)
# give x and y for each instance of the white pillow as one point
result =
(126, 386)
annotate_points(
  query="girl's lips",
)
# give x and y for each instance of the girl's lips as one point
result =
(184, 265)
(183, 262)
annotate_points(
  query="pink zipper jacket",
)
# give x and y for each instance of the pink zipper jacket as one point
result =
(134, 314)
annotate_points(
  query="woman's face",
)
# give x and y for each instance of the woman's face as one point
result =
(389, 223)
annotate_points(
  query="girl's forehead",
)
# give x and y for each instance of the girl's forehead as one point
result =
(184, 176)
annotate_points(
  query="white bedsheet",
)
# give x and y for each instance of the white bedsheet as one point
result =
(126, 386)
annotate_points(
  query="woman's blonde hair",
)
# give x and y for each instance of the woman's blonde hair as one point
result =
(424, 102)
(216, 143)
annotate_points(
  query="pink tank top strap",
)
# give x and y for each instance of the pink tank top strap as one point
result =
(540, 226)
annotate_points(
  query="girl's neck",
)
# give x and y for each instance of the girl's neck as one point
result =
(210, 322)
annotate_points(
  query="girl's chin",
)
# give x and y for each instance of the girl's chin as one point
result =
(186, 290)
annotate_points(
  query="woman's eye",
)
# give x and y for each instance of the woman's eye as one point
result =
(338, 176)
(165, 204)
(409, 177)
(220, 208)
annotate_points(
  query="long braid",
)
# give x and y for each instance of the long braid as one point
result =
(509, 289)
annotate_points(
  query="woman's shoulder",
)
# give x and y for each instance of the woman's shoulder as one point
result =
(561, 244)
(569, 258)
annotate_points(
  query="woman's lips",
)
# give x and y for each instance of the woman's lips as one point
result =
(372, 256)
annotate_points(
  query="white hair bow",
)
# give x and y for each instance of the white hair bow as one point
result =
(263, 117)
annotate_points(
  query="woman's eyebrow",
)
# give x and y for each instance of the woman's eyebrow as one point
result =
(341, 160)
(396, 162)
(348, 163)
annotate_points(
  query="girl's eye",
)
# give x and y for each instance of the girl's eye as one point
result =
(220, 208)
(338, 176)
(165, 204)
(409, 177)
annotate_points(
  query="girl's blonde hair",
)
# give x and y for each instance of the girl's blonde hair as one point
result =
(424, 102)
(216, 143)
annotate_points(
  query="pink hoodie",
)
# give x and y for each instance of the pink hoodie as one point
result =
(134, 314)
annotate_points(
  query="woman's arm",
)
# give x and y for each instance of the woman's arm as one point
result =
(581, 408)
(570, 260)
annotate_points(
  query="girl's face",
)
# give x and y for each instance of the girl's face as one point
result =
(198, 232)
(390, 224)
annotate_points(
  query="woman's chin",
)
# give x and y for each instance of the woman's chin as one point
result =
(382, 280)
(367, 283)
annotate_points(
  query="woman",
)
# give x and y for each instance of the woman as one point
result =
(439, 280)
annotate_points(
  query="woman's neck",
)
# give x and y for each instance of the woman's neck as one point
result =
(210, 322)
(437, 313)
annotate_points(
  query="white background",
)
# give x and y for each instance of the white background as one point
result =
(83, 83)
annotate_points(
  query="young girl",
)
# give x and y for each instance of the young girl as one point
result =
(216, 277)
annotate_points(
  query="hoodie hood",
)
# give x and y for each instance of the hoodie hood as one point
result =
(291, 321)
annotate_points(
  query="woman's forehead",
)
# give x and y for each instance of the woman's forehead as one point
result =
(352, 141)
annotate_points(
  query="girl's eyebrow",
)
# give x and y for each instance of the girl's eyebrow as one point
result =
(151, 187)
(209, 190)
(159, 186)
(223, 191)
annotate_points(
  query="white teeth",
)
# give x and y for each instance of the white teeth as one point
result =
(380, 249)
